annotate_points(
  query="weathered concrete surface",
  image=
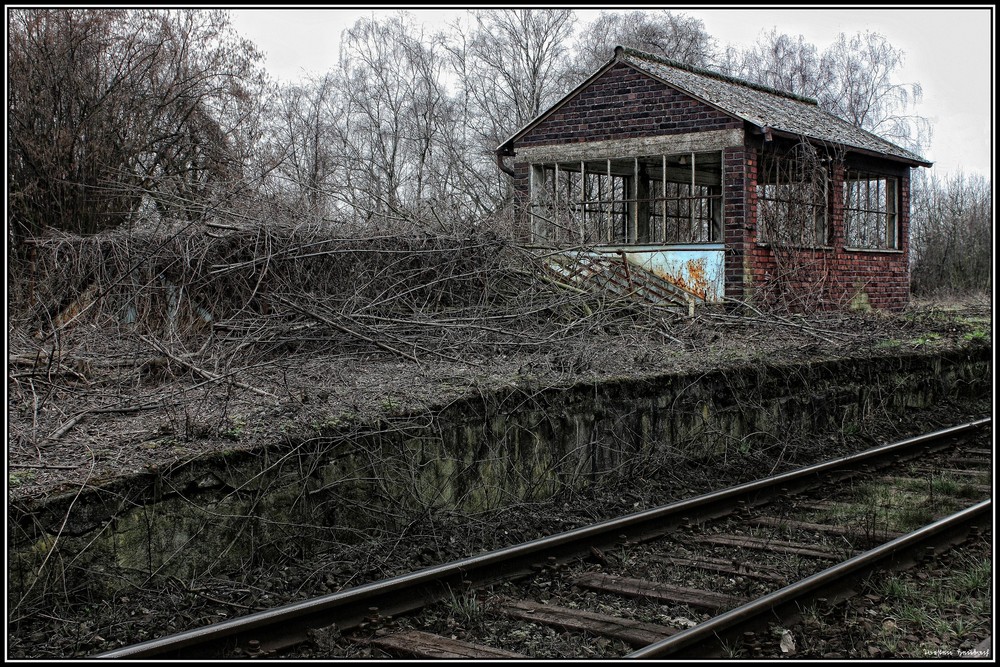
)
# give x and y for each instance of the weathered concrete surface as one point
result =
(242, 508)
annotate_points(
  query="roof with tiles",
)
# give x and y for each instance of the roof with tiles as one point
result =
(764, 107)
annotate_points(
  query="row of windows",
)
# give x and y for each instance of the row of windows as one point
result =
(792, 197)
(663, 199)
(678, 199)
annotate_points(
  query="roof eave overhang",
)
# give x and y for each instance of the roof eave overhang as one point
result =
(770, 131)
(895, 158)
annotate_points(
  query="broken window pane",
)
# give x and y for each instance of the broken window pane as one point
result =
(654, 199)
(791, 198)
(870, 203)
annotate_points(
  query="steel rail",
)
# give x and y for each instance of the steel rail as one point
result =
(413, 590)
(734, 619)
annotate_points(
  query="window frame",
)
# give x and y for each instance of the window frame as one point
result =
(880, 212)
(798, 184)
(627, 201)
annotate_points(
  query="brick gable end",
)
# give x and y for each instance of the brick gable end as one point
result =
(624, 103)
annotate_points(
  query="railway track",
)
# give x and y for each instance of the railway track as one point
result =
(679, 578)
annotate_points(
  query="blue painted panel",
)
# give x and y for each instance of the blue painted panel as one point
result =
(699, 269)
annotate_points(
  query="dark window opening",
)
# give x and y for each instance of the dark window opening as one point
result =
(655, 199)
(870, 211)
(792, 198)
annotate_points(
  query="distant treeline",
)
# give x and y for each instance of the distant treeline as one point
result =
(951, 235)
(122, 117)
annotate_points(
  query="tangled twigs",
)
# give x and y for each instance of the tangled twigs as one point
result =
(41, 466)
(417, 297)
(764, 318)
(208, 375)
(78, 417)
(341, 327)
(69, 511)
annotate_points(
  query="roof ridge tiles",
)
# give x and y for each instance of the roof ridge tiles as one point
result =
(701, 71)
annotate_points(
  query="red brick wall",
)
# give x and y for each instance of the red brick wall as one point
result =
(739, 174)
(833, 277)
(625, 104)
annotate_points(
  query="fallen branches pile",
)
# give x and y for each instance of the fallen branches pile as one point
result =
(106, 322)
(171, 328)
(256, 292)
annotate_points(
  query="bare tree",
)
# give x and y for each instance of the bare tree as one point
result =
(513, 65)
(861, 71)
(395, 103)
(510, 65)
(114, 112)
(379, 136)
(951, 233)
(782, 62)
(303, 144)
(676, 36)
(853, 79)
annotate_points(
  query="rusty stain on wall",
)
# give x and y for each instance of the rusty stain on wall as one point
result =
(679, 275)
(619, 276)
(697, 270)
(692, 277)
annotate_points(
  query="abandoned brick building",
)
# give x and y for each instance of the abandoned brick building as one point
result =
(717, 189)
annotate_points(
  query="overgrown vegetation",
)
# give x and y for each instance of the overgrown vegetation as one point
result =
(123, 323)
(197, 257)
(136, 119)
(140, 118)
(904, 504)
(117, 117)
(942, 616)
(243, 296)
(951, 234)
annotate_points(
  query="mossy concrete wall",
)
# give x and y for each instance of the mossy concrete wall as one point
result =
(233, 511)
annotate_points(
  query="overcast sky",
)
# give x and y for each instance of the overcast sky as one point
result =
(948, 51)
